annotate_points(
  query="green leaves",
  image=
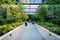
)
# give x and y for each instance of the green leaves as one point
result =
(51, 27)
(8, 27)
(24, 17)
(52, 2)
(10, 15)
(8, 1)
(42, 12)
(48, 16)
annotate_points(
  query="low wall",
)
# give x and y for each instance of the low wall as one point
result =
(44, 32)
(12, 34)
(47, 34)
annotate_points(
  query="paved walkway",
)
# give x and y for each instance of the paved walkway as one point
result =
(29, 33)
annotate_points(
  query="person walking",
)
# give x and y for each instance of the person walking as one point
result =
(25, 23)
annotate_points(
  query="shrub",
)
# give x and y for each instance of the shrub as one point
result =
(3, 21)
(10, 27)
(51, 27)
(10, 21)
(1, 30)
(56, 30)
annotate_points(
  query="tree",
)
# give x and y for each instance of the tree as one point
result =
(42, 12)
(24, 17)
(7, 1)
(53, 1)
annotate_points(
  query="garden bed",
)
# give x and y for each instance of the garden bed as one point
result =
(48, 35)
(51, 27)
(12, 35)
(8, 27)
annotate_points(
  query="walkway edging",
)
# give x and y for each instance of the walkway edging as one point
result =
(12, 34)
(47, 34)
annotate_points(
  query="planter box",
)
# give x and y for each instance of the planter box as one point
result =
(47, 34)
(12, 34)
(44, 32)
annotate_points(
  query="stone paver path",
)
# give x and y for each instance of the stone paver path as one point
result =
(29, 32)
